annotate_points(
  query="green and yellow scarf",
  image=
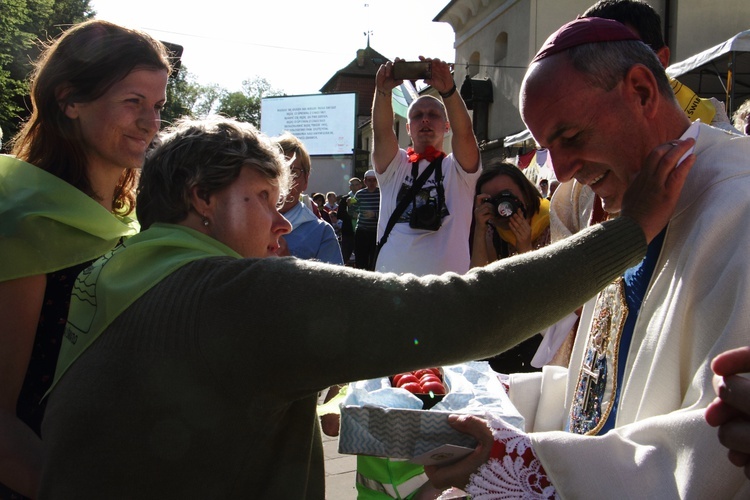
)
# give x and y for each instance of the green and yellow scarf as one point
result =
(47, 225)
(111, 284)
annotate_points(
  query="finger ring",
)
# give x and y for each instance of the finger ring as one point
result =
(674, 143)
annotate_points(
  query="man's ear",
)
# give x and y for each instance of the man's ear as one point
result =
(642, 89)
(663, 55)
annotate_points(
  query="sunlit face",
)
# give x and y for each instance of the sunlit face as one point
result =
(427, 124)
(244, 215)
(355, 186)
(117, 128)
(495, 186)
(592, 135)
(298, 185)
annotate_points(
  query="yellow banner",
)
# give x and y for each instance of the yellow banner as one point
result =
(694, 107)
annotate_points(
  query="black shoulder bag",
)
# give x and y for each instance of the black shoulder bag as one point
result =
(436, 165)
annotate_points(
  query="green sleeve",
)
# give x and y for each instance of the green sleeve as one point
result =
(279, 313)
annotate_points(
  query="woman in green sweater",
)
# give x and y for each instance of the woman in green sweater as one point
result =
(189, 367)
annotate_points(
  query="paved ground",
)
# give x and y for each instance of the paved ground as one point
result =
(340, 471)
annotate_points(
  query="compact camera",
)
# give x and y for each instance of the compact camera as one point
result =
(412, 70)
(425, 216)
(506, 204)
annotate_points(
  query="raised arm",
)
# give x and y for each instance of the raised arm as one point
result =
(463, 142)
(385, 142)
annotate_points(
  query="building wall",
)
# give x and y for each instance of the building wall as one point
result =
(698, 25)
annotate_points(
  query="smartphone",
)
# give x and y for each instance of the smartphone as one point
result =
(412, 70)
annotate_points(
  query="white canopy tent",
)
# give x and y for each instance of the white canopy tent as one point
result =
(723, 71)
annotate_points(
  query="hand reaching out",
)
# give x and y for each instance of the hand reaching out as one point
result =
(730, 411)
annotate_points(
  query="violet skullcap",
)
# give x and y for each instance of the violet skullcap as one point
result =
(584, 30)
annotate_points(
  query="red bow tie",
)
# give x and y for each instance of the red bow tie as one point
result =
(430, 154)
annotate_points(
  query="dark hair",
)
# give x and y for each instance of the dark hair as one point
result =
(81, 66)
(208, 154)
(497, 167)
(635, 13)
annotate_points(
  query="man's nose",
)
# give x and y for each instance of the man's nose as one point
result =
(565, 166)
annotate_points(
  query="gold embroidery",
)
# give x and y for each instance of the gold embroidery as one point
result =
(597, 379)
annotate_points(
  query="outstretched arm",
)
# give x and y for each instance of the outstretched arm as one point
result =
(730, 411)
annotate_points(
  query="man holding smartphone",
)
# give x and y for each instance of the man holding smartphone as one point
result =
(442, 244)
(431, 235)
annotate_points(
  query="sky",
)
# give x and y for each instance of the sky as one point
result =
(296, 45)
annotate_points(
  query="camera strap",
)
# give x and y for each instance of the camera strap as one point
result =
(410, 197)
(438, 182)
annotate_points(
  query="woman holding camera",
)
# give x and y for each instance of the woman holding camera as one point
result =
(510, 215)
(510, 218)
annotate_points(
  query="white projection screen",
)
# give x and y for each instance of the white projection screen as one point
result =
(325, 123)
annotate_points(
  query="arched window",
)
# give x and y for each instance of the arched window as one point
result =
(474, 64)
(501, 47)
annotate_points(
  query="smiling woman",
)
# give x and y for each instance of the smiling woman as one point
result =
(96, 94)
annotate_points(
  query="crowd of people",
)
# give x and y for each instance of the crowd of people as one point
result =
(161, 333)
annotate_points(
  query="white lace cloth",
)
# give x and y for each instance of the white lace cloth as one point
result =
(513, 471)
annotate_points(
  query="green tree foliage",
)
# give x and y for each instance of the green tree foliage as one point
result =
(25, 25)
(186, 97)
(245, 105)
(182, 94)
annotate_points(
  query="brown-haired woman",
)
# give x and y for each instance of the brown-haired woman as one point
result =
(65, 197)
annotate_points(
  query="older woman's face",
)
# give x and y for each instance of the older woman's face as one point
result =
(245, 216)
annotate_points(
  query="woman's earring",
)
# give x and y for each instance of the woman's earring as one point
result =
(204, 220)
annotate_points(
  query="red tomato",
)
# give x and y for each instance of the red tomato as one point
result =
(422, 372)
(407, 378)
(396, 378)
(429, 376)
(412, 387)
(434, 387)
(436, 371)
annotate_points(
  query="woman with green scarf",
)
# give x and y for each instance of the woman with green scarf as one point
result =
(66, 194)
(190, 365)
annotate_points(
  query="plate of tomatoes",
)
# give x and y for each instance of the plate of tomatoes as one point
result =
(427, 384)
